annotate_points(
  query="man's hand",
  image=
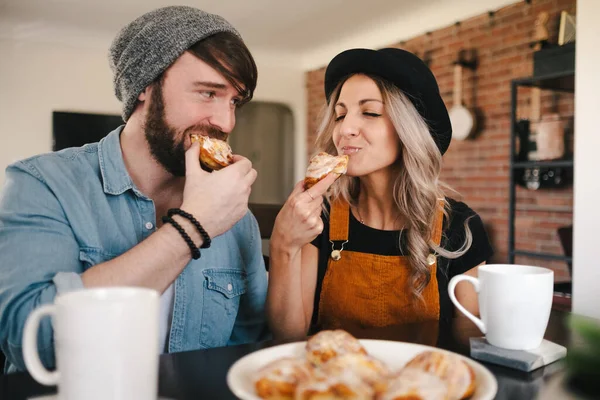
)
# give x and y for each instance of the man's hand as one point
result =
(219, 199)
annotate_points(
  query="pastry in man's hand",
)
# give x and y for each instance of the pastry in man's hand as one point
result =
(215, 154)
(326, 345)
(321, 165)
(279, 379)
(415, 384)
(457, 374)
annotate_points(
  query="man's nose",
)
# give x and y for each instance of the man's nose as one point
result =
(223, 119)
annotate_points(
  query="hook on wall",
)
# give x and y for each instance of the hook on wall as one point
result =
(427, 53)
(456, 27)
(467, 58)
(491, 18)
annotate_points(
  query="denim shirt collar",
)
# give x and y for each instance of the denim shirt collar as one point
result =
(116, 179)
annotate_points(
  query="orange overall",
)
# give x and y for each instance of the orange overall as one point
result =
(371, 290)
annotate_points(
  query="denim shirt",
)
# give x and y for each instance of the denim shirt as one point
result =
(63, 212)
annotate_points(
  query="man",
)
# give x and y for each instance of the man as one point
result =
(92, 216)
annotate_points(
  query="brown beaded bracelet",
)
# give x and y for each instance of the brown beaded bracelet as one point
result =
(205, 238)
(193, 249)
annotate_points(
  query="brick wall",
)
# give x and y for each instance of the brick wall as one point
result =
(478, 167)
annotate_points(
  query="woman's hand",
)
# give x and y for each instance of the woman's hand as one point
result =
(299, 221)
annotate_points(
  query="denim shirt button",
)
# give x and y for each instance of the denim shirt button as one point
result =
(149, 225)
(229, 287)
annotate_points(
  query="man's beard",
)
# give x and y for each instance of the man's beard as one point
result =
(167, 144)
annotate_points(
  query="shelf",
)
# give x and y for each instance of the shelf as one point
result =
(566, 118)
(533, 164)
(536, 208)
(563, 82)
(547, 256)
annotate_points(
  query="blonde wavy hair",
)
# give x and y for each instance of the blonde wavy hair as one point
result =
(417, 188)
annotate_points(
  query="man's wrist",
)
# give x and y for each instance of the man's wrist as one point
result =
(190, 229)
(177, 243)
(206, 240)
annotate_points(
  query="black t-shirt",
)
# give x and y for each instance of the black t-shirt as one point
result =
(364, 239)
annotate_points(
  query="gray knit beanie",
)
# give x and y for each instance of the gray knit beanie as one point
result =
(147, 46)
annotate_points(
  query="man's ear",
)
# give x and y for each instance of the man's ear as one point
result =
(145, 94)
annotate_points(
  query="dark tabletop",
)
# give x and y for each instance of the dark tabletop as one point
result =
(201, 374)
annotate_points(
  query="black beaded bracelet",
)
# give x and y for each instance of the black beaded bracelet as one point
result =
(205, 238)
(194, 250)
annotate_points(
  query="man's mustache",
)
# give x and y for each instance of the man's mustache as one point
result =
(206, 130)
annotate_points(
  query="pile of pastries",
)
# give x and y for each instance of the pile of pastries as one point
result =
(337, 366)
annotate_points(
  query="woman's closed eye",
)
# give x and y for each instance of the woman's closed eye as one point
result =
(366, 114)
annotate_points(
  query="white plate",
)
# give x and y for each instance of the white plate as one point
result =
(240, 377)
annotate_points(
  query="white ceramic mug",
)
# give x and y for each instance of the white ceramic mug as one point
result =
(514, 303)
(106, 343)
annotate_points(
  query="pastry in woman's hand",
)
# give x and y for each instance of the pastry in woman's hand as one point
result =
(323, 164)
(215, 154)
(326, 345)
(279, 379)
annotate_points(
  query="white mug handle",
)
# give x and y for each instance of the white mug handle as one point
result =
(452, 286)
(30, 347)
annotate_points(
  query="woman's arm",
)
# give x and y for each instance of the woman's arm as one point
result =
(294, 261)
(466, 294)
(290, 297)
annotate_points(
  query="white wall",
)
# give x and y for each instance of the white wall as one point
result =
(429, 16)
(280, 79)
(586, 264)
(38, 77)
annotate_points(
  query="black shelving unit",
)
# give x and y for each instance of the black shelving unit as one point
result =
(563, 82)
(531, 164)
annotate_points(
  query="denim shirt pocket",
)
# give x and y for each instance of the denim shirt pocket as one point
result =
(91, 256)
(222, 291)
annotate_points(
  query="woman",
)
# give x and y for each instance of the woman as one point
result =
(400, 238)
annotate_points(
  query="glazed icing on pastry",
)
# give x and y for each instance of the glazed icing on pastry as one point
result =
(280, 378)
(214, 153)
(346, 385)
(415, 384)
(321, 165)
(328, 344)
(459, 376)
(369, 369)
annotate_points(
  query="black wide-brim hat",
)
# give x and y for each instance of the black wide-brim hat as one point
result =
(404, 70)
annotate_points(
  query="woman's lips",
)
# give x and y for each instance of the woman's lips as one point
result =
(349, 150)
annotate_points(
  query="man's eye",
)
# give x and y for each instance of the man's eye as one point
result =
(208, 94)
